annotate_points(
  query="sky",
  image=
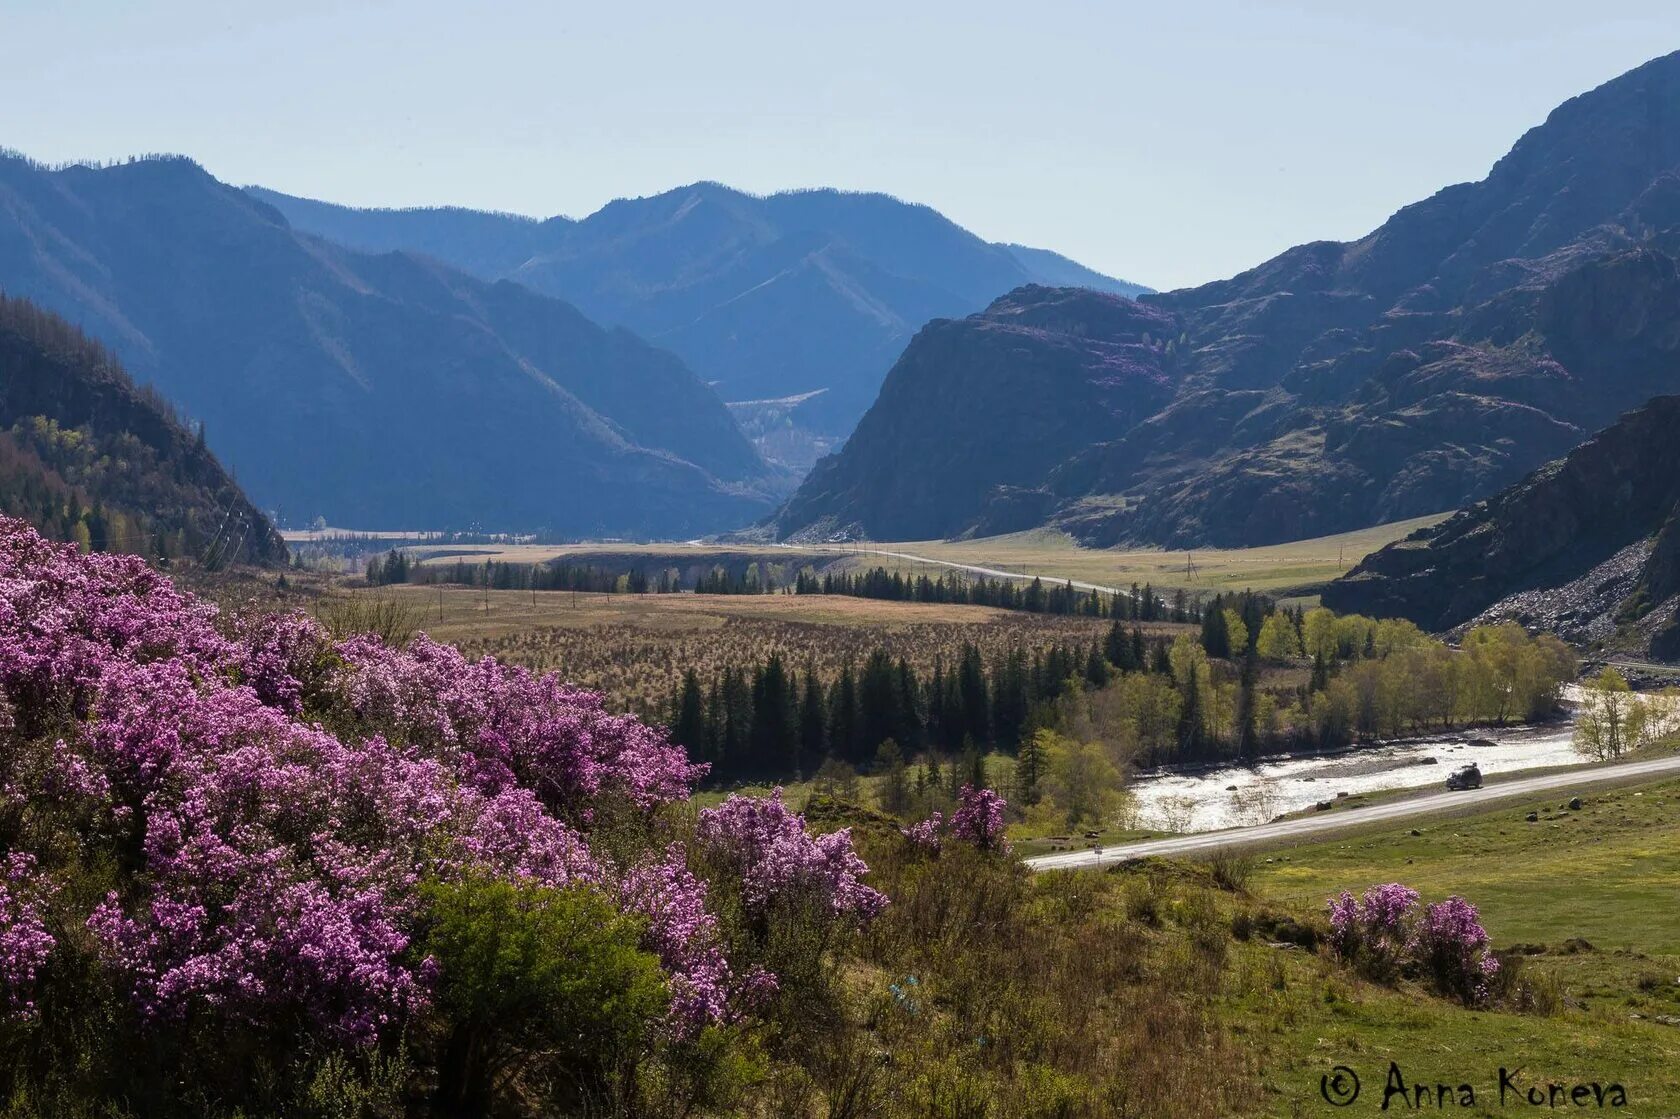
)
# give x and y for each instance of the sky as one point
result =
(1166, 143)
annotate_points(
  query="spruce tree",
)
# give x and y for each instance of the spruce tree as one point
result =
(1030, 766)
(813, 717)
(688, 721)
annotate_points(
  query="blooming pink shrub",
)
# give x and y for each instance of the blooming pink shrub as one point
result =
(978, 819)
(504, 725)
(271, 867)
(25, 943)
(767, 847)
(1387, 933)
(928, 834)
(1453, 950)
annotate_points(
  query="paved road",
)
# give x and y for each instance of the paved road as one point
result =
(973, 569)
(1328, 823)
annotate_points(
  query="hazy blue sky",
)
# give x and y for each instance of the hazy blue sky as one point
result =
(1169, 143)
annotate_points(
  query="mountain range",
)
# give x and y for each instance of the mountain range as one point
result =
(800, 300)
(1470, 338)
(86, 455)
(1587, 547)
(379, 390)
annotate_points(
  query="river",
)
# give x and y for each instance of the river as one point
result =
(1237, 796)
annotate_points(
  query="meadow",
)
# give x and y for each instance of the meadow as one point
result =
(635, 648)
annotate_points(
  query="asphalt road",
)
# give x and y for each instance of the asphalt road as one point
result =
(866, 550)
(1326, 824)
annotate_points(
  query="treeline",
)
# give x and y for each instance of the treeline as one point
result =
(1140, 604)
(1036, 597)
(1255, 680)
(397, 567)
(770, 720)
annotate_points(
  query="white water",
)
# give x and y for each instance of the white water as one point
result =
(1205, 801)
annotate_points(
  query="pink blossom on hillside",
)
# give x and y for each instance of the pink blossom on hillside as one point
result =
(271, 867)
(683, 934)
(25, 943)
(928, 834)
(769, 848)
(979, 819)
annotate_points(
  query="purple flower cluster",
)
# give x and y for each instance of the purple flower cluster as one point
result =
(1453, 948)
(277, 862)
(768, 848)
(928, 834)
(25, 942)
(1376, 928)
(1388, 932)
(978, 820)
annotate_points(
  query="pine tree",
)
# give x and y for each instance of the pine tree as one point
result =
(774, 731)
(813, 717)
(971, 685)
(877, 700)
(895, 784)
(1030, 766)
(843, 729)
(688, 721)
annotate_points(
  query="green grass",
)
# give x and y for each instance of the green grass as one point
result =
(1607, 875)
(1301, 564)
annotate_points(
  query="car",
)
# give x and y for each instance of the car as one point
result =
(1470, 777)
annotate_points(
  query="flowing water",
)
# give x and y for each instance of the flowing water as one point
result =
(1235, 796)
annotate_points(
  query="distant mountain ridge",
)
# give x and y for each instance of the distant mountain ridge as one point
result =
(810, 292)
(87, 456)
(1471, 337)
(1587, 546)
(377, 390)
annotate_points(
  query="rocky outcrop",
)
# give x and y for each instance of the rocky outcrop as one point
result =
(1474, 336)
(1583, 545)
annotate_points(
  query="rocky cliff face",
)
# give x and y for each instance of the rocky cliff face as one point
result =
(979, 411)
(1588, 545)
(1472, 337)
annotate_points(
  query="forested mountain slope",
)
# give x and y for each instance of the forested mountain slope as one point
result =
(87, 456)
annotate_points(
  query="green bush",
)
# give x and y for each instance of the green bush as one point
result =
(541, 988)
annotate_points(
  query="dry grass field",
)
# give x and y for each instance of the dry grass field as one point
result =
(636, 647)
(1301, 564)
(1278, 567)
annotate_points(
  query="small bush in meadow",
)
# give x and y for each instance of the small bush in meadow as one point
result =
(1388, 933)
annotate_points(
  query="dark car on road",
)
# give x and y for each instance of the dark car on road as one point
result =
(1470, 777)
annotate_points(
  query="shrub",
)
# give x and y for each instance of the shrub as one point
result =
(977, 821)
(542, 988)
(1373, 932)
(1231, 870)
(1386, 933)
(1452, 949)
